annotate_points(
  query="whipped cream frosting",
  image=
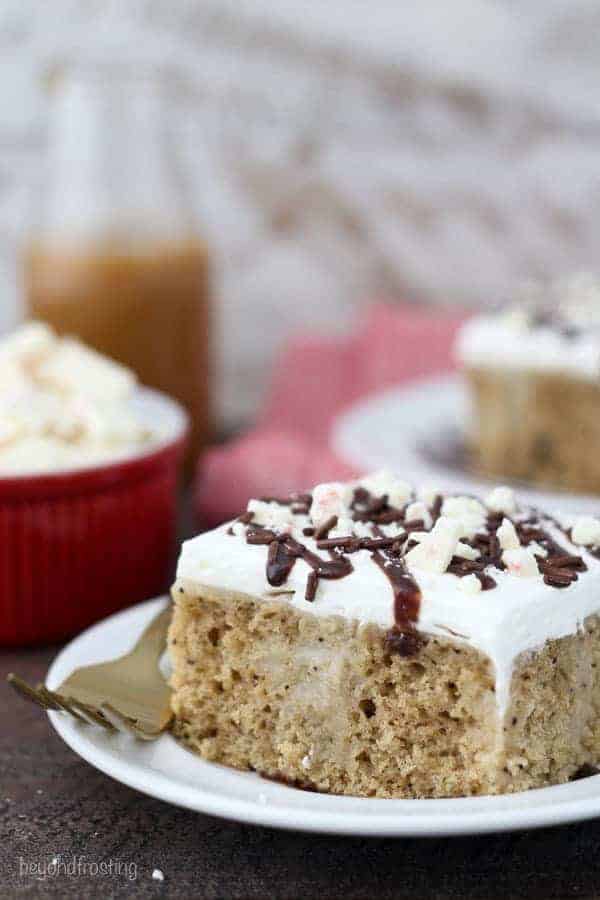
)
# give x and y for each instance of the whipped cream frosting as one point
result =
(513, 604)
(553, 329)
(64, 406)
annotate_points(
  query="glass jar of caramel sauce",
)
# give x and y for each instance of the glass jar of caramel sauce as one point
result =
(113, 255)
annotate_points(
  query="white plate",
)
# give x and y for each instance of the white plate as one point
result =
(392, 427)
(165, 770)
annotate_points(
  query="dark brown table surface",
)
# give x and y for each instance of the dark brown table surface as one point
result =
(52, 804)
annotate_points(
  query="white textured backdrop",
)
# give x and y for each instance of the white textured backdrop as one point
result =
(341, 150)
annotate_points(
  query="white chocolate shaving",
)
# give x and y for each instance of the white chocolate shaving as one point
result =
(470, 513)
(465, 551)
(330, 499)
(385, 483)
(502, 499)
(470, 584)
(507, 536)
(270, 515)
(586, 531)
(418, 510)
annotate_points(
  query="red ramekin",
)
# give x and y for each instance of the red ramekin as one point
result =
(78, 545)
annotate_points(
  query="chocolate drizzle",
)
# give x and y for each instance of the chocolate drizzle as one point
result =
(403, 638)
(283, 552)
(559, 567)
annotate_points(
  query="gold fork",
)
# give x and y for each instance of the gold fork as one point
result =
(127, 694)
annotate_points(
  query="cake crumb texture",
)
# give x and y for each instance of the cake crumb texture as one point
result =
(536, 426)
(318, 702)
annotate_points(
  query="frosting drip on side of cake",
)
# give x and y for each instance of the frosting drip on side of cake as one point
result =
(501, 577)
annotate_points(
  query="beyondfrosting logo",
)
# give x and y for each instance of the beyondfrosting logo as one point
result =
(77, 866)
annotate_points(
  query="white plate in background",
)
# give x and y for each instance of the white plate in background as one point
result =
(405, 429)
(165, 770)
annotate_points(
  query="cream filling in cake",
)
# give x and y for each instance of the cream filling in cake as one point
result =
(503, 608)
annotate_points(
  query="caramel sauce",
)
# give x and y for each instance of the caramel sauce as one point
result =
(148, 309)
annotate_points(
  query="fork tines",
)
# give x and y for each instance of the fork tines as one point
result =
(107, 716)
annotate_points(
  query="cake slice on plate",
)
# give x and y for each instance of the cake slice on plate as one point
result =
(533, 372)
(373, 640)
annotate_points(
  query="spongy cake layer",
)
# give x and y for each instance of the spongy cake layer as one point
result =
(318, 702)
(498, 576)
(374, 640)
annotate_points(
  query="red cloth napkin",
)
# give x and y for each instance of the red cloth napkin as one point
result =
(314, 380)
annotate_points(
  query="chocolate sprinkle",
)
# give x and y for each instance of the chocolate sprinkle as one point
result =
(258, 535)
(486, 581)
(328, 568)
(324, 529)
(312, 582)
(436, 509)
(352, 544)
(559, 579)
(349, 544)
(280, 563)
(285, 550)
(293, 499)
(572, 562)
(300, 510)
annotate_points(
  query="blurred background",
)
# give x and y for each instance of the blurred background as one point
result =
(330, 153)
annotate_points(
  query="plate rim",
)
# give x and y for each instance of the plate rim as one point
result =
(491, 819)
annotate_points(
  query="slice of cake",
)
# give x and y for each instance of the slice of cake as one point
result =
(365, 639)
(534, 375)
